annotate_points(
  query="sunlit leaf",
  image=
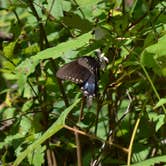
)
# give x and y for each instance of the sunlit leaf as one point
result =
(154, 56)
(160, 103)
(37, 158)
(28, 66)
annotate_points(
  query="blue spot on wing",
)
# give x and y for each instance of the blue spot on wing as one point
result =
(89, 86)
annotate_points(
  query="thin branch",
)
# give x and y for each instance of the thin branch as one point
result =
(54, 68)
(81, 116)
(42, 30)
(125, 113)
(79, 8)
(15, 13)
(43, 34)
(79, 152)
(95, 138)
(52, 4)
(51, 158)
(132, 141)
(111, 132)
(99, 106)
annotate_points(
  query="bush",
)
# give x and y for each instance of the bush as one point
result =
(45, 121)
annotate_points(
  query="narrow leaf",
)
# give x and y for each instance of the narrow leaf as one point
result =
(58, 125)
(28, 66)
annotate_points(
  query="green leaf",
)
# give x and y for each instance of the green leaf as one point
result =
(58, 125)
(9, 112)
(160, 122)
(74, 21)
(138, 8)
(159, 119)
(28, 66)
(86, 3)
(151, 161)
(37, 158)
(90, 8)
(154, 56)
(25, 125)
(57, 9)
(160, 103)
(147, 59)
(159, 48)
(27, 105)
(21, 81)
(31, 50)
(10, 139)
(9, 49)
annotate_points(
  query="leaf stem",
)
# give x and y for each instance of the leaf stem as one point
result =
(152, 85)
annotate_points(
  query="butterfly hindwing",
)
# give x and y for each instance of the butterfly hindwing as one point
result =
(90, 86)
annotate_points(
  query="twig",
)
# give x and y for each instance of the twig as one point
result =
(95, 138)
(54, 67)
(14, 11)
(79, 152)
(132, 141)
(97, 161)
(43, 34)
(42, 30)
(51, 158)
(125, 113)
(99, 105)
(81, 116)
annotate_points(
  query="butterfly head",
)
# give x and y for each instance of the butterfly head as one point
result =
(103, 60)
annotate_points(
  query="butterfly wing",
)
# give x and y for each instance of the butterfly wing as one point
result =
(83, 71)
(74, 72)
(90, 63)
(89, 87)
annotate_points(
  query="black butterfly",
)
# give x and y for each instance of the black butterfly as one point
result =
(85, 72)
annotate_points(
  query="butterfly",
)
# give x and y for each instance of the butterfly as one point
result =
(83, 71)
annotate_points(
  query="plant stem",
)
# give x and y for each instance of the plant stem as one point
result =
(132, 141)
(152, 85)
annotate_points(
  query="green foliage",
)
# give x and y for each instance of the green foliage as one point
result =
(154, 55)
(56, 126)
(159, 160)
(40, 121)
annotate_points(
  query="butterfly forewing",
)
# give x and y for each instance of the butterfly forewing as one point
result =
(89, 62)
(74, 72)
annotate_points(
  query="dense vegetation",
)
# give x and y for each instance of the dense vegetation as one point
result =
(40, 120)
